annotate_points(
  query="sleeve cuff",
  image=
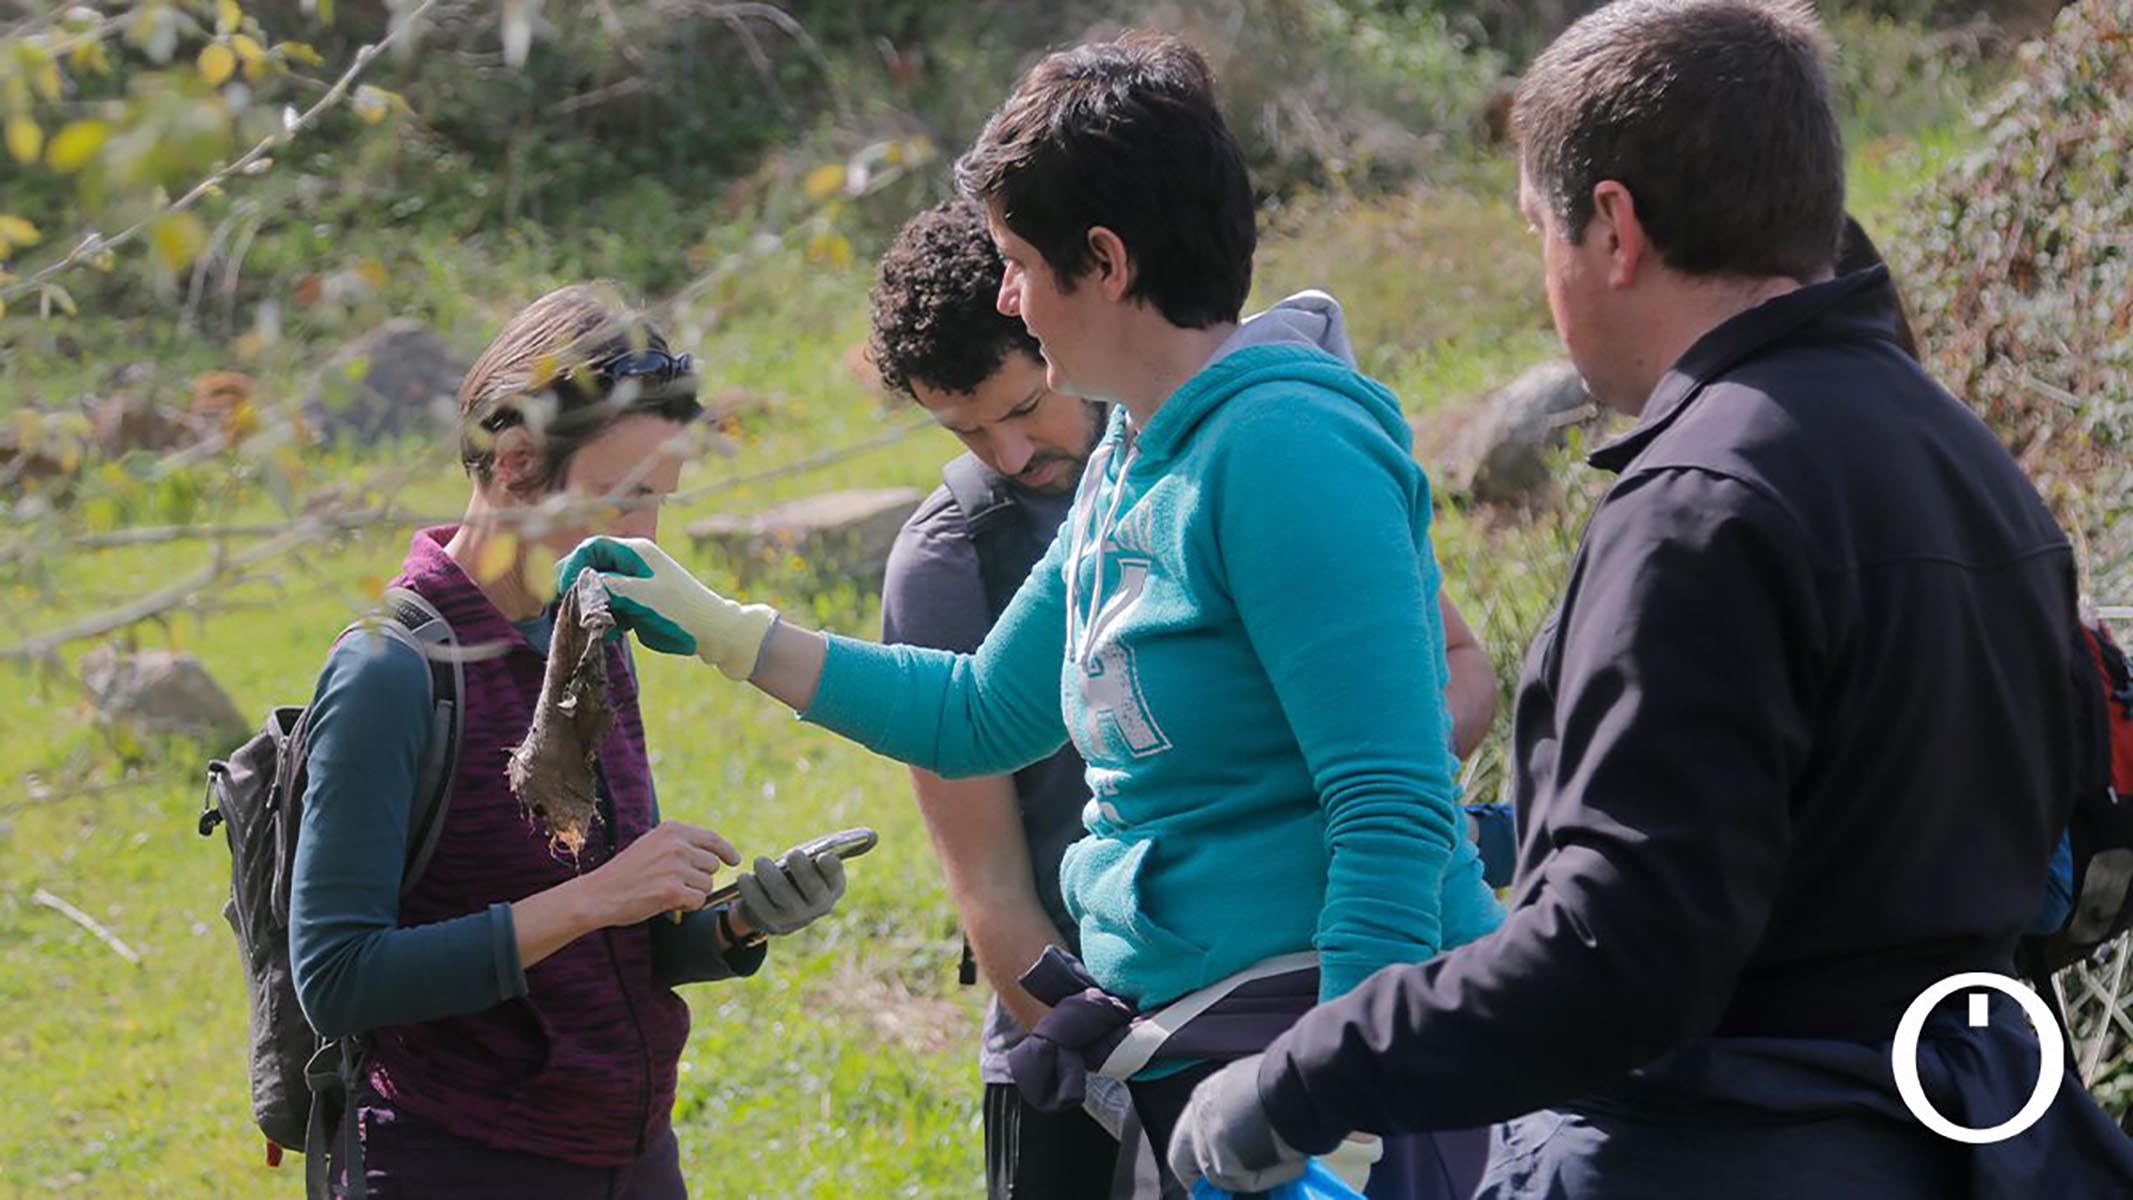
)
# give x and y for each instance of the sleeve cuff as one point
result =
(689, 952)
(1288, 1105)
(743, 961)
(503, 951)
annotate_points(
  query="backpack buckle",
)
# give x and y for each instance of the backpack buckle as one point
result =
(210, 810)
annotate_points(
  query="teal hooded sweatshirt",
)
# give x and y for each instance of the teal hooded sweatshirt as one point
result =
(1238, 629)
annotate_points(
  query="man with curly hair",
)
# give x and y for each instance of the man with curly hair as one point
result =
(939, 339)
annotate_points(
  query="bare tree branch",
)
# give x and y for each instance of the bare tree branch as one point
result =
(95, 244)
(89, 923)
(284, 537)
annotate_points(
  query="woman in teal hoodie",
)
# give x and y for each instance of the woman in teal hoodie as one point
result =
(1238, 627)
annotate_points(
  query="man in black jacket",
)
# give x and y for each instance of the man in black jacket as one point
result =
(1799, 741)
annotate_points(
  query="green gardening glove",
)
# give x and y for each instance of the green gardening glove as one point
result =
(656, 598)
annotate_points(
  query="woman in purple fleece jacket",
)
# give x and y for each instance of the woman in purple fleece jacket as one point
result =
(520, 1029)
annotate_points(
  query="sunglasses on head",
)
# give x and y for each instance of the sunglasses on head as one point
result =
(656, 365)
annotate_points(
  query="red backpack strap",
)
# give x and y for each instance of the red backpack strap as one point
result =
(2117, 678)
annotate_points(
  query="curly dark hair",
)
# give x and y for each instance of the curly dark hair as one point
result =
(934, 297)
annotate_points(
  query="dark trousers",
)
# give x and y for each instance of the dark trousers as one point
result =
(405, 1158)
(1036, 1155)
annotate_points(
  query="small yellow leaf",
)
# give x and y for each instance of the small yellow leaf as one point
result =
(216, 63)
(371, 103)
(538, 579)
(242, 421)
(824, 180)
(89, 58)
(833, 248)
(25, 139)
(75, 144)
(46, 79)
(17, 232)
(301, 52)
(178, 239)
(373, 273)
(227, 16)
(247, 49)
(496, 558)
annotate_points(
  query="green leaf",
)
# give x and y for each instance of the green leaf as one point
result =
(54, 296)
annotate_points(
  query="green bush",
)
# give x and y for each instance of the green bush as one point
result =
(2019, 262)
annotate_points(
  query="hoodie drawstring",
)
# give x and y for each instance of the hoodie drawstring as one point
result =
(1081, 629)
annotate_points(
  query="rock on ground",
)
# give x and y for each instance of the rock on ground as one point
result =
(161, 691)
(1500, 454)
(839, 536)
(399, 378)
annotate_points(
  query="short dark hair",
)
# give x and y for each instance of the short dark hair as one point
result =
(552, 370)
(1715, 114)
(1125, 135)
(935, 304)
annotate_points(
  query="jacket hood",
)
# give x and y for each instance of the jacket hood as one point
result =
(1303, 339)
(1309, 318)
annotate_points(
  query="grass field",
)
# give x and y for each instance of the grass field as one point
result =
(845, 1067)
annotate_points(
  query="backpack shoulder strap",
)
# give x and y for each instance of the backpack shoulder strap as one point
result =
(1006, 549)
(978, 492)
(414, 620)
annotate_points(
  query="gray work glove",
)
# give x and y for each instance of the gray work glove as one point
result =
(790, 894)
(1226, 1137)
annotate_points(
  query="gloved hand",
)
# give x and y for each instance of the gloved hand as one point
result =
(657, 599)
(1225, 1137)
(790, 894)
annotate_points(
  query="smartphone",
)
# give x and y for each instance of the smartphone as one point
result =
(845, 843)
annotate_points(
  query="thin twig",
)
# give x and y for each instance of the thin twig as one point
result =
(89, 923)
(316, 526)
(599, 95)
(94, 244)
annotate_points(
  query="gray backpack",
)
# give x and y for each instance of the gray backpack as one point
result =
(301, 1083)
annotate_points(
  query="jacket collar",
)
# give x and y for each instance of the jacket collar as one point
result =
(475, 620)
(1860, 304)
